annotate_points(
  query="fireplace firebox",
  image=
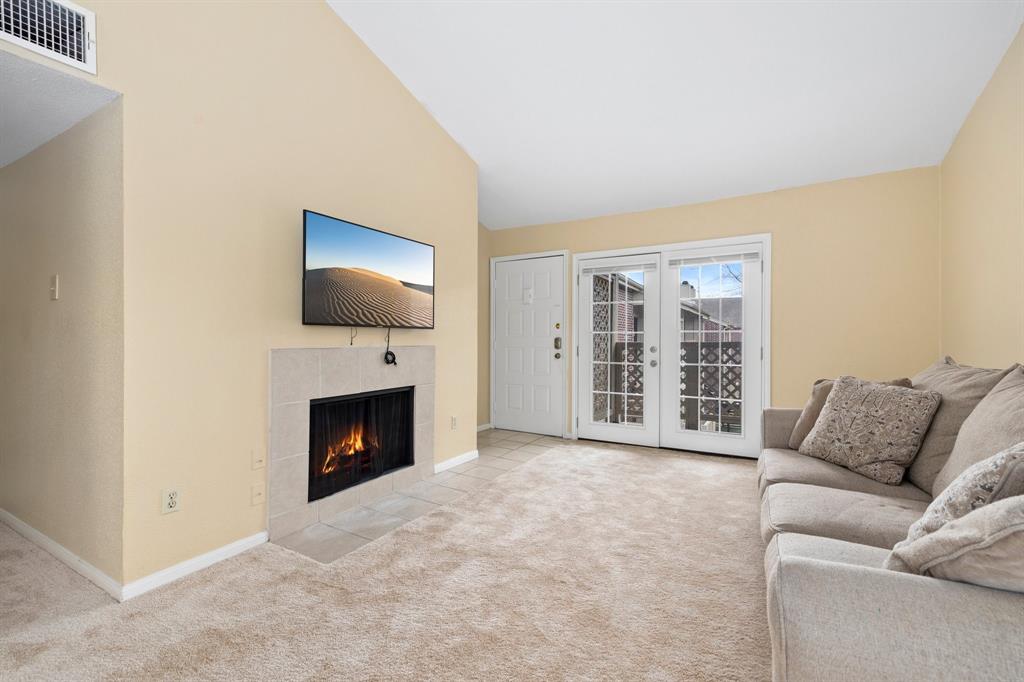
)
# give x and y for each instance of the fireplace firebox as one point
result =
(355, 438)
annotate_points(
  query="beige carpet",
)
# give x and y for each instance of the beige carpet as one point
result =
(588, 562)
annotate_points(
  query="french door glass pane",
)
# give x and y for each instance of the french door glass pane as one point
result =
(711, 347)
(617, 339)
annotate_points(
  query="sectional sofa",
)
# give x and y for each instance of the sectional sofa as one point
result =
(834, 612)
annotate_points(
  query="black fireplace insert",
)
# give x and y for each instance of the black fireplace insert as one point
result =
(355, 438)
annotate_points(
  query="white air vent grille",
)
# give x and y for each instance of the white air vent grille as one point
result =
(61, 30)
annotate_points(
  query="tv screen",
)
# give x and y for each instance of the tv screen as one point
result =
(356, 276)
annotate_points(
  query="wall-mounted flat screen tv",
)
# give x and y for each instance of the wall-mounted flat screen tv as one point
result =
(356, 276)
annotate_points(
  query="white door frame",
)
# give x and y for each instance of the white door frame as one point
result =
(567, 343)
(763, 239)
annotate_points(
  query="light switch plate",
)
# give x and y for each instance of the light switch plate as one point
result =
(259, 459)
(259, 494)
(54, 287)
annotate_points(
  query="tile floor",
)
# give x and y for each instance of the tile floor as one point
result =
(500, 451)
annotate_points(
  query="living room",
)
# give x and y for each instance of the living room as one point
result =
(596, 340)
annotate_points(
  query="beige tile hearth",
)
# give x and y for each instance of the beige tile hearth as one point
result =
(497, 462)
(408, 508)
(484, 472)
(464, 483)
(370, 511)
(433, 493)
(366, 522)
(322, 542)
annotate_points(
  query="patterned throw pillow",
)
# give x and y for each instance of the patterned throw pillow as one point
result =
(872, 429)
(990, 480)
(984, 547)
(816, 403)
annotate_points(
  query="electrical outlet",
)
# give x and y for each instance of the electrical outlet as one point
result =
(170, 500)
(259, 494)
(259, 459)
(455, 422)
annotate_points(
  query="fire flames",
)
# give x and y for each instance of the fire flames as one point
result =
(354, 443)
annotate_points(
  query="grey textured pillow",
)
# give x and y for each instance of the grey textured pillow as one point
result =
(982, 548)
(819, 394)
(990, 480)
(996, 423)
(871, 429)
(962, 388)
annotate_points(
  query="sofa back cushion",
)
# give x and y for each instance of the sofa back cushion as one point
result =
(819, 394)
(962, 388)
(994, 425)
(983, 547)
(872, 429)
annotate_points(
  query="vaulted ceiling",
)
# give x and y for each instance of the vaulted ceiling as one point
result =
(578, 109)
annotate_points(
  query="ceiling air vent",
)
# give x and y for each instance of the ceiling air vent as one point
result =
(60, 30)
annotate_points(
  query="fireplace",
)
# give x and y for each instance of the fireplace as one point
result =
(355, 438)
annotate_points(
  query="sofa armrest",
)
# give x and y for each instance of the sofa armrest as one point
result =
(777, 424)
(841, 621)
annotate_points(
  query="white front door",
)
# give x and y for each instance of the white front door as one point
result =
(528, 345)
(619, 349)
(711, 381)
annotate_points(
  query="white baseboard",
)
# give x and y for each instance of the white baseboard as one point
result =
(142, 585)
(172, 573)
(456, 461)
(484, 427)
(63, 554)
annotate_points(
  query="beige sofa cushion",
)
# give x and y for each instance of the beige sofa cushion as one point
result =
(789, 466)
(872, 429)
(835, 614)
(984, 547)
(994, 425)
(819, 394)
(962, 388)
(863, 518)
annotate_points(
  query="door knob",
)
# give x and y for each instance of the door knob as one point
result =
(654, 349)
(558, 356)
(654, 363)
(558, 343)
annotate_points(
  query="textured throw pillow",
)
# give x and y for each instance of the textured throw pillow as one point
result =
(996, 423)
(985, 547)
(871, 429)
(962, 388)
(819, 394)
(990, 480)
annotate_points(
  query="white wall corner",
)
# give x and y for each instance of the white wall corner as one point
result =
(180, 570)
(456, 461)
(142, 585)
(63, 554)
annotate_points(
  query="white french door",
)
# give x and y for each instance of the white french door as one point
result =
(618, 347)
(670, 348)
(711, 387)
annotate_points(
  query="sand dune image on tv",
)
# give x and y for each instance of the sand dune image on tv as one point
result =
(359, 276)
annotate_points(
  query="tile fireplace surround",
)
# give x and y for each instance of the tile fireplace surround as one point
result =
(298, 375)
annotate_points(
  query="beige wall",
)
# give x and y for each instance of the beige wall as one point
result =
(483, 352)
(226, 140)
(983, 224)
(62, 362)
(855, 282)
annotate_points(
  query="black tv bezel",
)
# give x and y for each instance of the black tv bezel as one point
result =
(433, 268)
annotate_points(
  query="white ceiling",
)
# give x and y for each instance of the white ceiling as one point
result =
(579, 109)
(38, 103)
